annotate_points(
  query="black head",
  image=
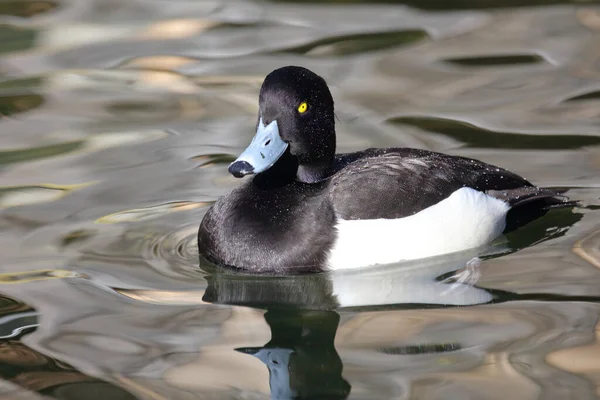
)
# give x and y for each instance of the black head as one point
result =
(301, 104)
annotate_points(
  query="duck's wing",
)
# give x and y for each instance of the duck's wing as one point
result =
(396, 183)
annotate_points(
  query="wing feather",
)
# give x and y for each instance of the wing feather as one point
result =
(397, 183)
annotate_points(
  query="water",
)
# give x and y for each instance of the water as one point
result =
(119, 118)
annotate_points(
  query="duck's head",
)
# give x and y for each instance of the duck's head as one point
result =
(296, 121)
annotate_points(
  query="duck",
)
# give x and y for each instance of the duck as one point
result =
(306, 209)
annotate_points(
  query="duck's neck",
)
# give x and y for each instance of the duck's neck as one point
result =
(316, 152)
(311, 173)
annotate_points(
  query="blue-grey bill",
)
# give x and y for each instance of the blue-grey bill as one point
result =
(264, 150)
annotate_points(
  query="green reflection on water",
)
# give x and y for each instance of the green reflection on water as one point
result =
(586, 96)
(35, 153)
(16, 39)
(15, 104)
(450, 5)
(426, 348)
(497, 61)
(360, 43)
(23, 83)
(474, 136)
(26, 9)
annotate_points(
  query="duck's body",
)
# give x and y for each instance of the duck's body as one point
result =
(308, 212)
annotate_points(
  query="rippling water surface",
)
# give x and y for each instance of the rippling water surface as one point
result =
(119, 119)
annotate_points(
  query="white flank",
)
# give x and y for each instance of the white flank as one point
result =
(466, 219)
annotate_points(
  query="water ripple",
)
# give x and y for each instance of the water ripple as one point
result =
(150, 100)
(474, 136)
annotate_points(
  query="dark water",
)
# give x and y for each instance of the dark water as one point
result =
(118, 121)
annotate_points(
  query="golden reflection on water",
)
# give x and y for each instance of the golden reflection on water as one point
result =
(166, 63)
(31, 276)
(582, 360)
(176, 29)
(588, 248)
(18, 196)
(147, 213)
(26, 9)
(164, 297)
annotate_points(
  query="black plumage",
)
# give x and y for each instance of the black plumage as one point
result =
(283, 220)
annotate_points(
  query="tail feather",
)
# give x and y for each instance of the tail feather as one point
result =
(529, 203)
(546, 198)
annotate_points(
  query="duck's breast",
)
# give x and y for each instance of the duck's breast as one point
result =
(290, 228)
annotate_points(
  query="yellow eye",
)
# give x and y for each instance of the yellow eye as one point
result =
(302, 107)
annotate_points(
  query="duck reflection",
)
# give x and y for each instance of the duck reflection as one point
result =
(395, 286)
(301, 356)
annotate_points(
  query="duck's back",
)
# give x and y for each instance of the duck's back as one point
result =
(399, 182)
